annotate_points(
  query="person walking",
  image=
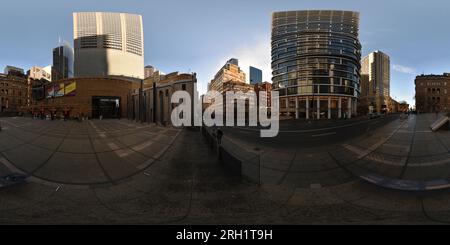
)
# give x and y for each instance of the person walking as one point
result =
(219, 135)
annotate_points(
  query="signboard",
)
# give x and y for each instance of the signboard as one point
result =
(49, 91)
(59, 89)
(71, 88)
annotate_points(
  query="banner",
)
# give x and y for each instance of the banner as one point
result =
(71, 88)
(59, 89)
(49, 91)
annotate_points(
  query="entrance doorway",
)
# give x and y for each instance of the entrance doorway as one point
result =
(106, 106)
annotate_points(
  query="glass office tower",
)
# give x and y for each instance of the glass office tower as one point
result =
(316, 63)
(255, 75)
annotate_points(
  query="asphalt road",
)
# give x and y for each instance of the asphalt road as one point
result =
(308, 135)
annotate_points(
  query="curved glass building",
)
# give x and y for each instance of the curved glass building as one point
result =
(316, 63)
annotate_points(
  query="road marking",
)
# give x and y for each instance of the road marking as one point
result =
(142, 146)
(123, 153)
(325, 134)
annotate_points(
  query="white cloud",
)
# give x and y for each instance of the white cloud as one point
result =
(404, 69)
(256, 54)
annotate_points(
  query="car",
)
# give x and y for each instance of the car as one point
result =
(373, 115)
(12, 179)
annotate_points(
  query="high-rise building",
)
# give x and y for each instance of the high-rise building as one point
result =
(255, 75)
(229, 72)
(375, 83)
(108, 44)
(316, 58)
(62, 67)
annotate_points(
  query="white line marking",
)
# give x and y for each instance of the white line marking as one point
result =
(142, 146)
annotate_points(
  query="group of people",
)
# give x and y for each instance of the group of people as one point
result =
(50, 116)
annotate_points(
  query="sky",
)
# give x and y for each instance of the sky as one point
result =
(201, 35)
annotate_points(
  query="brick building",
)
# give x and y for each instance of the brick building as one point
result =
(13, 93)
(88, 96)
(155, 105)
(432, 93)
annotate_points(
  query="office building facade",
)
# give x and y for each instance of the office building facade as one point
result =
(229, 72)
(316, 63)
(108, 44)
(255, 75)
(62, 67)
(375, 83)
(38, 73)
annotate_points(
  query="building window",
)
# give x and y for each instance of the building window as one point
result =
(183, 86)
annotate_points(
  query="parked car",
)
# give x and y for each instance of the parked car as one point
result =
(374, 115)
(12, 179)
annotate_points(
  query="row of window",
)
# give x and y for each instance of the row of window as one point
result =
(13, 92)
(436, 90)
(319, 89)
(434, 84)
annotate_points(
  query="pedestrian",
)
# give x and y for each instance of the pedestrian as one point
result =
(219, 136)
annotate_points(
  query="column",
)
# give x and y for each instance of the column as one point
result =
(349, 109)
(339, 108)
(287, 106)
(318, 108)
(296, 107)
(329, 107)
(307, 107)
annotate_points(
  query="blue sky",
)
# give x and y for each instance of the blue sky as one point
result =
(200, 35)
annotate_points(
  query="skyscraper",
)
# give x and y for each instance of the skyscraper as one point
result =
(375, 82)
(255, 75)
(108, 44)
(316, 62)
(62, 67)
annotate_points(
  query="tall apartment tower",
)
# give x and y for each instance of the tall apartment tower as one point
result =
(375, 82)
(108, 44)
(316, 58)
(62, 67)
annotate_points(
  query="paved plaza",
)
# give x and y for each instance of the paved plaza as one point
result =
(124, 172)
(401, 154)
